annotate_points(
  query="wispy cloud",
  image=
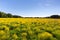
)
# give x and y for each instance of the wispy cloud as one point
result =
(45, 3)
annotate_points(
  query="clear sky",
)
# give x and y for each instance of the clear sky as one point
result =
(32, 8)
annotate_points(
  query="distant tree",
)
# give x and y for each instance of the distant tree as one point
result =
(2, 14)
(9, 15)
(55, 16)
(15, 16)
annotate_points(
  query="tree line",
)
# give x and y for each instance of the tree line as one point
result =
(54, 16)
(9, 15)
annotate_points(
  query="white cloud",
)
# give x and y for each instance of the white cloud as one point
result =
(47, 4)
(44, 4)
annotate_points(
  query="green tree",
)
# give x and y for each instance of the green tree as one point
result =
(16, 16)
(9, 15)
(3, 15)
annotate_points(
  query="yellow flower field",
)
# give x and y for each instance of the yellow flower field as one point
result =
(29, 29)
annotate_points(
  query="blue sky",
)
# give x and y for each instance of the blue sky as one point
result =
(31, 8)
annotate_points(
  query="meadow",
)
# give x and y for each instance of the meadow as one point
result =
(29, 29)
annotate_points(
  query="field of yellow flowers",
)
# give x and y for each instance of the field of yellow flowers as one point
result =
(29, 29)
